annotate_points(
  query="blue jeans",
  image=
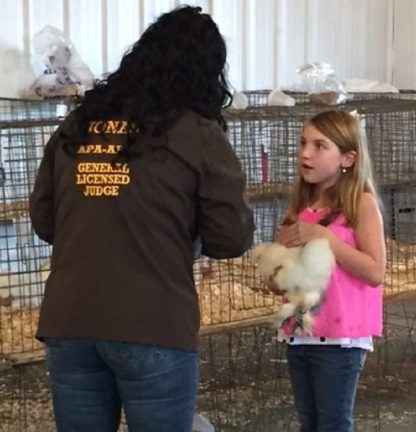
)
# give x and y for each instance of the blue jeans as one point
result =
(324, 381)
(91, 380)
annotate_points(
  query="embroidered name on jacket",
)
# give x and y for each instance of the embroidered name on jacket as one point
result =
(102, 178)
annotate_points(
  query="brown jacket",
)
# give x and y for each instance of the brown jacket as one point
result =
(122, 235)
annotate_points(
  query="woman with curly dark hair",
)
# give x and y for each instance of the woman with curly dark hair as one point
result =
(137, 174)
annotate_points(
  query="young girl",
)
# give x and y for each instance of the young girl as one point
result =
(335, 198)
(133, 177)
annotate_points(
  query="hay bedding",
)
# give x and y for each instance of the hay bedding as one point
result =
(400, 277)
(17, 331)
(230, 291)
(13, 210)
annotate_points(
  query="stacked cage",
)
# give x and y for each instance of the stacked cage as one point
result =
(266, 140)
(243, 383)
(230, 291)
(258, 98)
(25, 126)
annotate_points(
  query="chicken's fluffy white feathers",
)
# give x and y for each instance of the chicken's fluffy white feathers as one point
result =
(302, 272)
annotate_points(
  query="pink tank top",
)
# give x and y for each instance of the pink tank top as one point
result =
(351, 307)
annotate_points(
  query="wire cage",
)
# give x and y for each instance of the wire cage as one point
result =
(244, 386)
(258, 98)
(25, 126)
(266, 140)
(230, 291)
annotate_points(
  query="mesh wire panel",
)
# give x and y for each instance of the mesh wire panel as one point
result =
(23, 110)
(258, 98)
(266, 140)
(25, 126)
(244, 385)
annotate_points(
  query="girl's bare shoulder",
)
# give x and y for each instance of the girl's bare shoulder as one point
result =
(368, 202)
(369, 209)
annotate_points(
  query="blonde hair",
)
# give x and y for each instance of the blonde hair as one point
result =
(344, 196)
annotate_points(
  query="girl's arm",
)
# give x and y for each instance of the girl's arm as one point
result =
(366, 262)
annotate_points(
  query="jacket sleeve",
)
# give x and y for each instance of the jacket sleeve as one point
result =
(41, 201)
(225, 218)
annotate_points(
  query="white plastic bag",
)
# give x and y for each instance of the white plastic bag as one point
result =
(323, 85)
(65, 73)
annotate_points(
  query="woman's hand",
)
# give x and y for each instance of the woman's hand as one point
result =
(300, 233)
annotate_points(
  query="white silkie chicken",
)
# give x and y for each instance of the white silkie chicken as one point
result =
(302, 273)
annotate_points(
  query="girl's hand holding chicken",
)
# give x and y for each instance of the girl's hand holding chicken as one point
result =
(300, 233)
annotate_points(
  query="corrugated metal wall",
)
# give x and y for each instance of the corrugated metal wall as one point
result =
(267, 39)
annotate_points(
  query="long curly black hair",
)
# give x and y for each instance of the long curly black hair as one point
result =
(178, 64)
